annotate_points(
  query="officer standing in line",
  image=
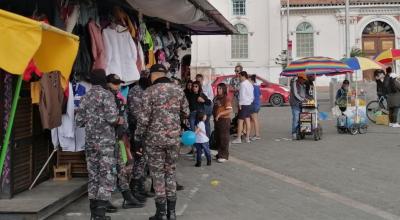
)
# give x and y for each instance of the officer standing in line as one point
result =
(140, 158)
(98, 113)
(158, 127)
(123, 171)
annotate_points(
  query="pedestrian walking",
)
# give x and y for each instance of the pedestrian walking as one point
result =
(123, 170)
(222, 119)
(207, 90)
(98, 113)
(246, 98)
(159, 130)
(255, 124)
(202, 140)
(297, 97)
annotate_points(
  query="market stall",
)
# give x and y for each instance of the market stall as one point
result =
(123, 37)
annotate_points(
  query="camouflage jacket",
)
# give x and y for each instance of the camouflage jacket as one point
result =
(98, 113)
(135, 101)
(163, 106)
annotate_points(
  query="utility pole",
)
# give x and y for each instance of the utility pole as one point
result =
(288, 52)
(347, 31)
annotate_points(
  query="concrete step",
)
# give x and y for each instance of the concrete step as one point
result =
(43, 200)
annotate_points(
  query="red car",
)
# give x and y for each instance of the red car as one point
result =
(271, 93)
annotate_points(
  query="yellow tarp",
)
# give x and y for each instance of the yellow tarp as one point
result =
(22, 39)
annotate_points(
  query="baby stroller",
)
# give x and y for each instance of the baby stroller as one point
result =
(309, 122)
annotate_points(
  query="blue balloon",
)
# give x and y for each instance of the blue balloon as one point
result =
(323, 116)
(188, 138)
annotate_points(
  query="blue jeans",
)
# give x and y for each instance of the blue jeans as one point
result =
(192, 120)
(208, 126)
(199, 151)
(295, 119)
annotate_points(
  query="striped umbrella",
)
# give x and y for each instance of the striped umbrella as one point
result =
(362, 63)
(388, 56)
(318, 66)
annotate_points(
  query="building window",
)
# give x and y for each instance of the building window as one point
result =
(305, 40)
(239, 7)
(240, 47)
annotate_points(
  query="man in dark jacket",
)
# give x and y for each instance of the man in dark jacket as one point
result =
(297, 96)
(393, 97)
(159, 129)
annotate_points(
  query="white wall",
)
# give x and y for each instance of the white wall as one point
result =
(263, 23)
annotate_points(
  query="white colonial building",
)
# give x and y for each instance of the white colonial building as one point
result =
(316, 28)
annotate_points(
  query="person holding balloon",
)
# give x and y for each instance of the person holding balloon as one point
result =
(202, 139)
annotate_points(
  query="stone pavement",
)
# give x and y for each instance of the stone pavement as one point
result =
(340, 177)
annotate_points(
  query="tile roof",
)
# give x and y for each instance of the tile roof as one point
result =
(335, 2)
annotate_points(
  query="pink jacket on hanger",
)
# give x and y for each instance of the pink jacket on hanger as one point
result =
(98, 51)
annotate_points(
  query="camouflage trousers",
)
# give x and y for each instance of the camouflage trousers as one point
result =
(100, 165)
(124, 171)
(139, 166)
(162, 164)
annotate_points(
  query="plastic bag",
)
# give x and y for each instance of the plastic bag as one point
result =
(336, 111)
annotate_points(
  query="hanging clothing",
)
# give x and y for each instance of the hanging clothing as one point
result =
(32, 73)
(121, 54)
(149, 45)
(83, 62)
(69, 137)
(79, 90)
(124, 18)
(141, 60)
(98, 51)
(51, 100)
(72, 19)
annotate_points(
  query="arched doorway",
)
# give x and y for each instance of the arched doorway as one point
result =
(377, 36)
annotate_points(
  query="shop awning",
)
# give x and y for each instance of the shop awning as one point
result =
(198, 16)
(23, 39)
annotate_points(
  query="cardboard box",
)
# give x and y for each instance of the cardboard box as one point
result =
(382, 120)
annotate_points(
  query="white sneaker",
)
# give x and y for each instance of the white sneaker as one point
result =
(248, 141)
(391, 125)
(255, 138)
(221, 160)
(396, 125)
(237, 141)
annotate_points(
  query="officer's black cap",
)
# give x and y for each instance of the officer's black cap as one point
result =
(158, 68)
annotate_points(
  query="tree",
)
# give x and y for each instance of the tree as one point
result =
(356, 52)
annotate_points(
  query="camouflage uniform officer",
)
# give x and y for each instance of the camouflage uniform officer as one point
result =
(140, 158)
(123, 170)
(158, 127)
(98, 114)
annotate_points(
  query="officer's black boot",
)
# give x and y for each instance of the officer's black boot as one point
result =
(110, 208)
(151, 193)
(98, 210)
(130, 201)
(171, 203)
(179, 187)
(138, 190)
(161, 213)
